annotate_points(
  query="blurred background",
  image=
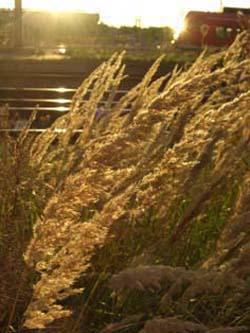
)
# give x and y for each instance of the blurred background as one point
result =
(76, 26)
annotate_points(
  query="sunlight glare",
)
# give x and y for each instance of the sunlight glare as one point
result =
(56, 5)
(61, 90)
(178, 28)
(125, 12)
(61, 109)
(62, 100)
(62, 50)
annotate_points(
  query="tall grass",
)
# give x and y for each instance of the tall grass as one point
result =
(20, 206)
(128, 199)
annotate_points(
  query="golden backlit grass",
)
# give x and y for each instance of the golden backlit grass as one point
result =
(142, 219)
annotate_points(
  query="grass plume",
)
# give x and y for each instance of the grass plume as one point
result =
(146, 214)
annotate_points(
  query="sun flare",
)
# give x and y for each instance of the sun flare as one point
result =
(55, 5)
(128, 12)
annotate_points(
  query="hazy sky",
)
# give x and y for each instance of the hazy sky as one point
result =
(124, 12)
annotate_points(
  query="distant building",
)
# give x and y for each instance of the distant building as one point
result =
(50, 28)
(44, 28)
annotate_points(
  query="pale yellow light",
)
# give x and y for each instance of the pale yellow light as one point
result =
(125, 12)
(62, 100)
(62, 90)
(178, 28)
(62, 50)
(57, 5)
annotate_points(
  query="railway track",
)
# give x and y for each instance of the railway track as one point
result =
(24, 84)
(24, 89)
(51, 102)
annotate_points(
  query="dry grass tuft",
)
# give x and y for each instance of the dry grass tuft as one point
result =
(167, 182)
(199, 122)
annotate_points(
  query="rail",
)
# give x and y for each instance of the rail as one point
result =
(23, 100)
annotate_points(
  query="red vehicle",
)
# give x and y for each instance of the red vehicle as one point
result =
(212, 29)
